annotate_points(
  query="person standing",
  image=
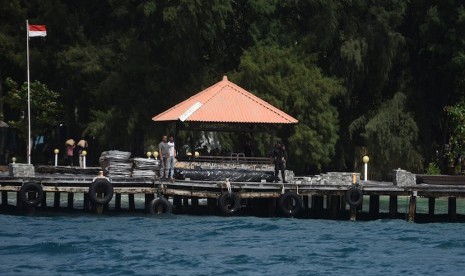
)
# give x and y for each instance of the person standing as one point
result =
(70, 144)
(163, 149)
(172, 153)
(279, 155)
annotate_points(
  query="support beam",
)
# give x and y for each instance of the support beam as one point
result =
(431, 205)
(374, 206)
(392, 206)
(4, 198)
(56, 200)
(86, 203)
(70, 200)
(452, 208)
(412, 207)
(132, 205)
(118, 201)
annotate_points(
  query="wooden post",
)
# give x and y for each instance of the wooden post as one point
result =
(212, 204)
(412, 206)
(4, 198)
(86, 203)
(19, 202)
(43, 203)
(393, 206)
(305, 199)
(148, 200)
(317, 205)
(56, 200)
(271, 204)
(343, 203)
(335, 203)
(374, 206)
(70, 200)
(194, 204)
(118, 201)
(177, 203)
(431, 205)
(185, 202)
(132, 205)
(452, 208)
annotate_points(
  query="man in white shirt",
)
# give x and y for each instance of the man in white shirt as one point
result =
(172, 155)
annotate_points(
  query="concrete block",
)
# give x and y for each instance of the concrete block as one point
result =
(21, 170)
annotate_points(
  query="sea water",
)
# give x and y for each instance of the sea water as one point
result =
(137, 244)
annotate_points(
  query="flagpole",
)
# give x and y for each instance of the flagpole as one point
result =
(28, 98)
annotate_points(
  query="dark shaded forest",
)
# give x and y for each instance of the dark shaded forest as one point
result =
(363, 77)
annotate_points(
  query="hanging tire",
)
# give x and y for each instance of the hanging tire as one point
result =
(290, 203)
(354, 196)
(160, 205)
(29, 188)
(229, 203)
(100, 186)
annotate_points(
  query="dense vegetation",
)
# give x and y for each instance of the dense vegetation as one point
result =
(362, 76)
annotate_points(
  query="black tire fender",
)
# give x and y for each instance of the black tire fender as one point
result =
(229, 203)
(30, 187)
(160, 205)
(101, 186)
(290, 203)
(354, 196)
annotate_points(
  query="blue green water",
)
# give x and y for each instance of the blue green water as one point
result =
(209, 245)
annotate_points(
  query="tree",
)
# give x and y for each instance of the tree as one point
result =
(45, 104)
(391, 138)
(294, 84)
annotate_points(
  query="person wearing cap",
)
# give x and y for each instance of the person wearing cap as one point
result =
(279, 156)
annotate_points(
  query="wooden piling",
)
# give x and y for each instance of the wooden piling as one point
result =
(431, 205)
(70, 201)
(117, 201)
(452, 208)
(56, 200)
(412, 207)
(317, 205)
(4, 198)
(374, 206)
(335, 202)
(392, 206)
(132, 205)
(148, 200)
(86, 203)
(43, 203)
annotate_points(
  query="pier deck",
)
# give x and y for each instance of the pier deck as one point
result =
(306, 195)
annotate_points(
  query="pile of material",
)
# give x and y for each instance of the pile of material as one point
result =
(145, 167)
(116, 163)
(223, 174)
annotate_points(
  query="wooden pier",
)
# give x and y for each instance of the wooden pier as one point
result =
(303, 197)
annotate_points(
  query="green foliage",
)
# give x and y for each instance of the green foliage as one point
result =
(391, 136)
(296, 85)
(45, 106)
(433, 169)
(456, 115)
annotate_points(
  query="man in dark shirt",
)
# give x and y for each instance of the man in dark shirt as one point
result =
(279, 155)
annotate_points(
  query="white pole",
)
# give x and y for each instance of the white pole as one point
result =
(56, 159)
(84, 161)
(366, 172)
(28, 98)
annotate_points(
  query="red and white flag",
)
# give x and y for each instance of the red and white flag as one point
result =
(37, 30)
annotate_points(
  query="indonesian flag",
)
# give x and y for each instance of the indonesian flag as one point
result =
(37, 30)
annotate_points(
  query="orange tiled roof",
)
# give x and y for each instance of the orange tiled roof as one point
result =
(225, 102)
